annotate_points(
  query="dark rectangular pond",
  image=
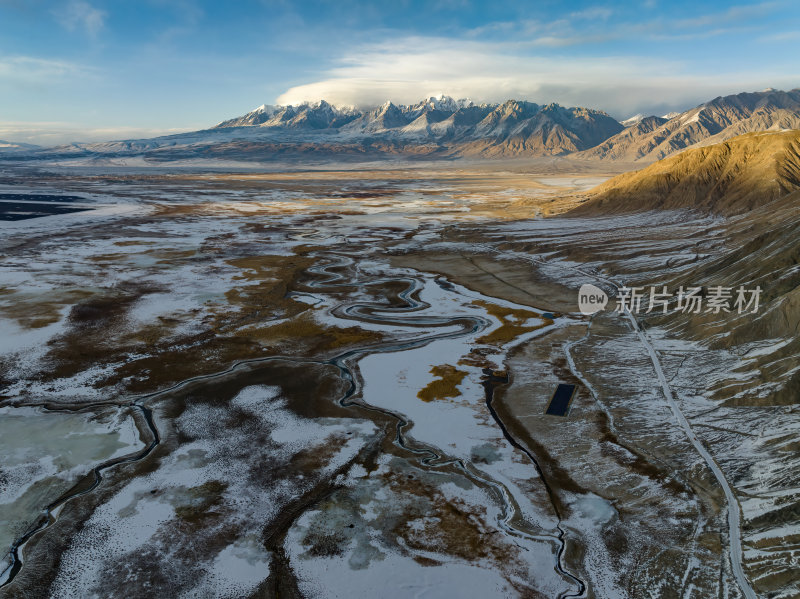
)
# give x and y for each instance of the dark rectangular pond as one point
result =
(26, 210)
(13, 208)
(559, 403)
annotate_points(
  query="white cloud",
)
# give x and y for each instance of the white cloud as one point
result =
(408, 69)
(781, 36)
(733, 14)
(593, 13)
(80, 15)
(29, 70)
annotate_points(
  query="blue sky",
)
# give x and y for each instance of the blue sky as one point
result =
(93, 69)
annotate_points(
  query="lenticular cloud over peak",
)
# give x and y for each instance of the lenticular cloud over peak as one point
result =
(413, 68)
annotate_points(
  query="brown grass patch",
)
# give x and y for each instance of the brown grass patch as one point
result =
(271, 278)
(131, 242)
(119, 257)
(512, 320)
(446, 386)
(200, 502)
(228, 335)
(451, 527)
(305, 327)
(34, 313)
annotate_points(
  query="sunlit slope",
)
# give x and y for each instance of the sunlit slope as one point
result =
(753, 183)
(728, 178)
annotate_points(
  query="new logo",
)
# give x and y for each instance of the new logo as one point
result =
(591, 299)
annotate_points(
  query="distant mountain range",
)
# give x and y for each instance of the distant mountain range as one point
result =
(507, 129)
(12, 146)
(652, 138)
(443, 127)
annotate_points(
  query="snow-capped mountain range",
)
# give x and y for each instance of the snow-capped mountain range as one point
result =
(322, 115)
(443, 127)
(548, 129)
(651, 138)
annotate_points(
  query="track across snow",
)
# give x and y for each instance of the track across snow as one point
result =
(734, 519)
(734, 524)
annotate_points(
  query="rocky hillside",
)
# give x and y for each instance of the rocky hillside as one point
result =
(720, 119)
(750, 186)
(727, 178)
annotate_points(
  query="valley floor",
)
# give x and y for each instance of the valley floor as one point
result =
(333, 383)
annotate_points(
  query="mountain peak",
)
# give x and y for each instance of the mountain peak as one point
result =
(636, 118)
(442, 102)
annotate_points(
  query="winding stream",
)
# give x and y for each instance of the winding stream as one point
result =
(347, 365)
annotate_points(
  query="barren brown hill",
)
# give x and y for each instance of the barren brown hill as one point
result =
(718, 120)
(754, 182)
(764, 252)
(727, 178)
